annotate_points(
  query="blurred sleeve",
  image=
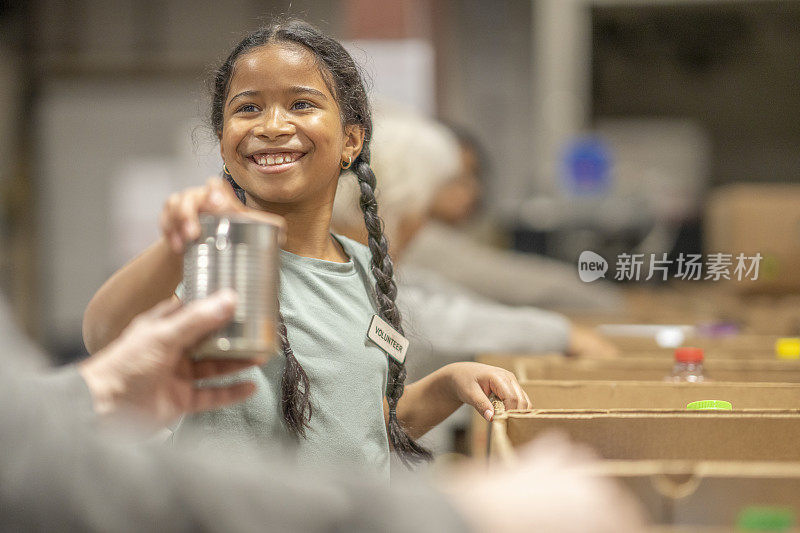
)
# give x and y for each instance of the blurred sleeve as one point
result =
(64, 388)
(510, 277)
(452, 320)
(56, 474)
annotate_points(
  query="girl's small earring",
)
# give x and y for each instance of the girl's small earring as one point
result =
(225, 169)
(349, 162)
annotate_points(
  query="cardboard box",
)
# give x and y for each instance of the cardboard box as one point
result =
(658, 395)
(712, 355)
(737, 346)
(648, 349)
(705, 494)
(651, 369)
(758, 218)
(702, 304)
(653, 434)
(691, 529)
(556, 382)
(680, 302)
(688, 469)
(770, 315)
(510, 361)
(643, 395)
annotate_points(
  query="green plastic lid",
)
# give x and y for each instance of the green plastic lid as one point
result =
(765, 519)
(713, 405)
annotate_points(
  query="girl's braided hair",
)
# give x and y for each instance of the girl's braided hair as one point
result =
(345, 82)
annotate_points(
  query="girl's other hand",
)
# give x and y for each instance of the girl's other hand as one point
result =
(472, 383)
(180, 220)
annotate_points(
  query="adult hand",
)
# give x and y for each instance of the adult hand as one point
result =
(584, 342)
(147, 371)
(548, 489)
(472, 383)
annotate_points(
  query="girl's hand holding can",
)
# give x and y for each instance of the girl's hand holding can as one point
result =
(180, 222)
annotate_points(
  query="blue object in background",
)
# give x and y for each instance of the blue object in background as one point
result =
(587, 166)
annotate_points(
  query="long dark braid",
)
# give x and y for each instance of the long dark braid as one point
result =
(346, 84)
(295, 393)
(386, 293)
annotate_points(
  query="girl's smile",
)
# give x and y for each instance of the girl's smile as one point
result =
(273, 162)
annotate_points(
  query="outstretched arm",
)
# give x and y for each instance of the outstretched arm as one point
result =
(156, 272)
(142, 283)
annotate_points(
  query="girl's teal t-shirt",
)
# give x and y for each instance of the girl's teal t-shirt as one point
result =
(327, 308)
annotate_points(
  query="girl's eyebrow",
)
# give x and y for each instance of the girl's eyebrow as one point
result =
(295, 89)
(301, 89)
(241, 94)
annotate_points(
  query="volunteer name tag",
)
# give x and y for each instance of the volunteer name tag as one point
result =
(385, 336)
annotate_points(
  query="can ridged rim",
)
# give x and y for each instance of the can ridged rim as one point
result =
(234, 217)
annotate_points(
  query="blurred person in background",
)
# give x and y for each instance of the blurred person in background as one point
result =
(64, 466)
(515, 278)
(416, 159)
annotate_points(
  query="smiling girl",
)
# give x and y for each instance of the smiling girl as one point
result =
(291, 113)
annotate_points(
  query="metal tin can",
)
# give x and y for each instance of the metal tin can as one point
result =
(242, 254)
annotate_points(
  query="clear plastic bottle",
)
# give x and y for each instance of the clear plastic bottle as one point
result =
(688, 366)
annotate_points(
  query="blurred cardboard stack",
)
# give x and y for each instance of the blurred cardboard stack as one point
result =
(687, 468)
(694, 469)
(690, 469)
(555, 382)
(758, 218)
(706, 304)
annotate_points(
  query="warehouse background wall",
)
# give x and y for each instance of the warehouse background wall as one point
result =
(91, 90)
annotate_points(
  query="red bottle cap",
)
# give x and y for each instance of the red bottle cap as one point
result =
(689, 355)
